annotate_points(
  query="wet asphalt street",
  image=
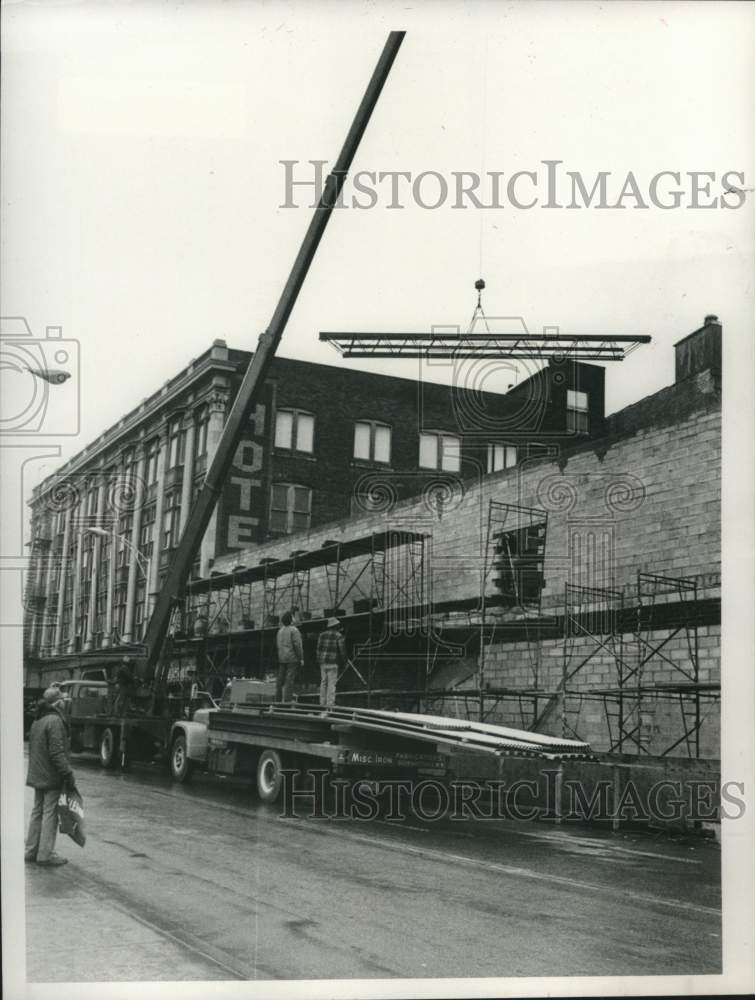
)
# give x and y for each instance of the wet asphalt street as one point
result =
(202, 881)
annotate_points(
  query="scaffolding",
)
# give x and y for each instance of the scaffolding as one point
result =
(623, 637)
(228, 622)
(656, 595)
(663, 604)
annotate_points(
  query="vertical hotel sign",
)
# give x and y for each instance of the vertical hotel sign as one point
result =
(242, 515)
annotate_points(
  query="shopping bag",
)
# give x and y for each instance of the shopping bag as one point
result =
(71, 816)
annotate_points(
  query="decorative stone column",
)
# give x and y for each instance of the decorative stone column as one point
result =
(95, 578)
(216, 405)
(107, 637)
(62, 585)
(136, 527)
(188, 475)
(34, 606)
(154, 582)
(75, 609)
(47, 629)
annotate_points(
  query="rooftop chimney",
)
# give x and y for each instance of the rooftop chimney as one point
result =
(700, 351)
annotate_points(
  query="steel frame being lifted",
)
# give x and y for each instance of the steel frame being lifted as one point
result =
(517, 346)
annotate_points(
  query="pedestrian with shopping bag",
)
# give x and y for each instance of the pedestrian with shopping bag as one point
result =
(49, 774)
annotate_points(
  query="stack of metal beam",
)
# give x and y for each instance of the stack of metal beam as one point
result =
(462, 734)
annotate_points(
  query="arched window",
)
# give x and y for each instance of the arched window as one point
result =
(295, 430)
(372, 441)
(440, 450)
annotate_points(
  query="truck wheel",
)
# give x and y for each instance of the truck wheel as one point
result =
(108, 748)
(180, 765)
(269, 777)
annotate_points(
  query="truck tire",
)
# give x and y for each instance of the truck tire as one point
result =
(108, 748)
(180, 765)
(269, 777)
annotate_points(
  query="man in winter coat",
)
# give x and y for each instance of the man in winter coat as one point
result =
(49, 771)
(290, 656)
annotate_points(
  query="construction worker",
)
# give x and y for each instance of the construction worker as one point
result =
(331, 654)
(290, 656)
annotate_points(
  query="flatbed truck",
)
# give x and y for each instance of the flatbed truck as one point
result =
(350, 744)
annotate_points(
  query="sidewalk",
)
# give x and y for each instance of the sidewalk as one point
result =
(76, 933)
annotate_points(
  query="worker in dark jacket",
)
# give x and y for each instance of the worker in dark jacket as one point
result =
(290, 656)
(49, 771)
(331, 654)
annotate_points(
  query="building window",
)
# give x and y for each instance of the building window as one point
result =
(86, 557)
(139, 607)
(501, 456)
(125, 524)
(150, 467)
(439, 451)
(577, 419)
(176, 444)
(290, 508)
(146, 532)
(119, 612)
(200, 432)
(294, 430)
(92, 502)
(372, 441)
(171, 519)
(100, 612)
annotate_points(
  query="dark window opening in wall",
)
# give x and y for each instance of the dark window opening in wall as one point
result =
(83, 618)
(119, 616)
(150, 467)
(146, 532)
(66, 623)
(290, 508)
(125, 524)
(176, 444)
(577, 418)
(139, 612)
(91, 502)
(438, 450)
(86, 557)
(501, 456)
(100, 612)
(294, 431)
(372, 442)
(171, 519)
(202, 422)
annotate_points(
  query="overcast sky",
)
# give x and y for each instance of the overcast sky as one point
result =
(142, 185)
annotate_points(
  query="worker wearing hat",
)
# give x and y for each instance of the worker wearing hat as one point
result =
(49, 771)
(331, 654)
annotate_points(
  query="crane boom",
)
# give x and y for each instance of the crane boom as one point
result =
(253, 381)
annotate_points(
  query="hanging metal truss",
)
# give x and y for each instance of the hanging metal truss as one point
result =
(517, 346)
